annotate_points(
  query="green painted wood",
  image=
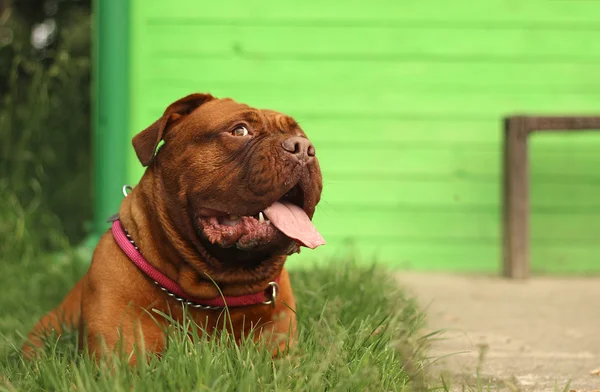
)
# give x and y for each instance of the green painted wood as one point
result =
(344, 101)
(519, 43)
(469, 222)
(438, 255)
(453, 159)
(457, 76)
(455, 191)
(358, 12)
(403, 101)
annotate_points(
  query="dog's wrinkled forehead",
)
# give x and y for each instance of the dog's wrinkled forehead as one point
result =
(222, 114)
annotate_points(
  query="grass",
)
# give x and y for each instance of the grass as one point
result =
(357, 331)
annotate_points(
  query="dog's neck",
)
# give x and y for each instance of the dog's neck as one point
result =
(175, 250)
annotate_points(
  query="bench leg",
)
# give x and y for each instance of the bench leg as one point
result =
(516, 200)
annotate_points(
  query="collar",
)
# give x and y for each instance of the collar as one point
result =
(123, 239)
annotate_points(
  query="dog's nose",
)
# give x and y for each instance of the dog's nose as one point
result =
(301, 147)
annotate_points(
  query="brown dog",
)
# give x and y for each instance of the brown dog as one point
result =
(197, 219)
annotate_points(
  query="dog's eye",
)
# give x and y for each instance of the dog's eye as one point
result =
(240, 131)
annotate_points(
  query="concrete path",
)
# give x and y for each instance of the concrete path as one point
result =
(536, 335)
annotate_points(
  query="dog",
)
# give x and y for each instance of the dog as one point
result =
(224, 200)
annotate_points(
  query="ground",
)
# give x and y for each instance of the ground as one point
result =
(539, 334)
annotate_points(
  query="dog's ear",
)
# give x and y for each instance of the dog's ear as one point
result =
(145, 142)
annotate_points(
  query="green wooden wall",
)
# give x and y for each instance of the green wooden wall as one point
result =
(403, 100)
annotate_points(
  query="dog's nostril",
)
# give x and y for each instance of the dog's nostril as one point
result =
(299, 146)
(290, 145)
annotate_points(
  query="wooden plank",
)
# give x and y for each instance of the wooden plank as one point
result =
(483, 195)
(432, 255)
(378, 87)
(465, 75)
(374, 129)
(565, 141)
(447, 221)
(526, 11)
(437, 139)
(388, 101)
(454, 160)
(582, 261)
(516, 200)
(285, 39)
(563, 123)
(212, 81)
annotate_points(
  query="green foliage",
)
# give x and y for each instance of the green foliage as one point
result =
(44, 129)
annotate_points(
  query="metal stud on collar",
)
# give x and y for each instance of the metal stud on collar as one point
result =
(274, 286)
(170, 294)
(185, 301)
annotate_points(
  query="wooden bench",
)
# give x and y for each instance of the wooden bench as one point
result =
(516, 183)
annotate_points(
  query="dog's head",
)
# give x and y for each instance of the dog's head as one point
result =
(240, 183)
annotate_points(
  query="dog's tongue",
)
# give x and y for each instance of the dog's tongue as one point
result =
(292, 221)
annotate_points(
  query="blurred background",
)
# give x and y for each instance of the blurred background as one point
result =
(404, 101)
(45, 126)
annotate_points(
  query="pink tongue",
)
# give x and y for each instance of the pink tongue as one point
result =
(292, 221)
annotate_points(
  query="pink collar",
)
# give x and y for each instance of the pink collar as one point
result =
(174, 290)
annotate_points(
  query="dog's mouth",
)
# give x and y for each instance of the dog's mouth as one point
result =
(284, 218)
